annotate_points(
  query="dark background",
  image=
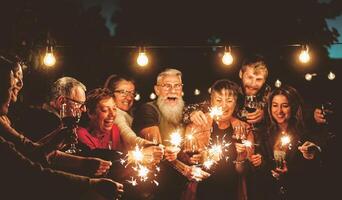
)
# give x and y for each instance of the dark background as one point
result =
(176, 34)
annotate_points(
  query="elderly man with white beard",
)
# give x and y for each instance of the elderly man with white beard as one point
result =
(156, 121)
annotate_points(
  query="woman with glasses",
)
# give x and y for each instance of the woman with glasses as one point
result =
(124, 93)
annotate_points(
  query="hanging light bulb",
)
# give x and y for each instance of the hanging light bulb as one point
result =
(49, 58)
(277, 83)
(304, 55)
(227, 58)
(137, 97)
(309, 76)
(197, 92)
(153, 96)
(142, 59)
(331, 76)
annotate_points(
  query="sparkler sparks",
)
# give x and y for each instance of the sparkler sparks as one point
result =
(176, 139)
(142, 172)
(215, 112)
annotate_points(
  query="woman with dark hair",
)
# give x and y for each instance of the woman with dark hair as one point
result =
(228, 180)
(286, 135)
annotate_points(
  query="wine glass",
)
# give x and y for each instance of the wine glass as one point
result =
(70, 118)
(240, 135)
(327, 110)
(251, 104)
(191, 145)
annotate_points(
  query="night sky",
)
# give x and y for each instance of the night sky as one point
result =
(110, 6)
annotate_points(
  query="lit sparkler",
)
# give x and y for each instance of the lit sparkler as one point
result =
(136, 158)
(176, 139)
(215, 112)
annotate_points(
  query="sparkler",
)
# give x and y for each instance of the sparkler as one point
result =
(285, 140)
(215, 112)
(176, 139)
(216, 152)
(136, 158)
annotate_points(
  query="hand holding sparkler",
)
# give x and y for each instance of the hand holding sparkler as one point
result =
(172, 150)
(196, 173)
(215, 112)
(199, 118)
(308, 150)
(279, 171)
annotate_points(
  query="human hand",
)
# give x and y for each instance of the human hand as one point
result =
(196, 173)
(319, 116)
(107, 188)
(256, 160)
(153, 154)
(171, 152)
(255, 117)
(278, 172)
(306, 150)
(195, 159)
(198, 118)
(96, 166)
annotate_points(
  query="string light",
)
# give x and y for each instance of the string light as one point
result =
(309, 76)
(142, 59)
(304, 55)
(331, 76)
(153, 96)
(227, 58)
(137, 97)
(197, 92)
(49, 59)
(277, 83)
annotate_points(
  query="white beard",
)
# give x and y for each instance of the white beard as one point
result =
(173, 114)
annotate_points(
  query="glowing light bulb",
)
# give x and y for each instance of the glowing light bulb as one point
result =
(331, 76)
(49, 59)
(137, 97)
(309, 76)
(227, 58)
(304, 55)
(153, 96)
(142, 59)
(277, 83)
(197, 92)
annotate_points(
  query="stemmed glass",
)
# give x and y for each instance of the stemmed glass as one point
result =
(240, 135)
(250, 105)
(191, 146)
(70, 118)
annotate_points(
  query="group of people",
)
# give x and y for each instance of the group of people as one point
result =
(269, 152)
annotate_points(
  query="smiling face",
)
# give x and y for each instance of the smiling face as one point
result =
(103, 117)
(226, 100)
(280, 109)
(169, 90)
(124, 95)
(18, 85)
(252, 80)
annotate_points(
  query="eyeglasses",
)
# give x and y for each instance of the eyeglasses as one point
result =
(125, 93)
(168, 86)
(78, 104)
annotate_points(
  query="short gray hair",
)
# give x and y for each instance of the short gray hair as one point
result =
(63, 87)
(169, 72)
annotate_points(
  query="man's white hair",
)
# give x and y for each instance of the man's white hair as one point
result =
(169, 72)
